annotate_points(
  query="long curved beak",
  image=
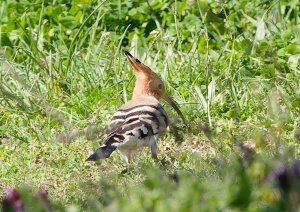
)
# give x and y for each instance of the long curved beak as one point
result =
(176, 108)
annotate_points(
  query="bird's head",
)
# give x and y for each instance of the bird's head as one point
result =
(148, 83)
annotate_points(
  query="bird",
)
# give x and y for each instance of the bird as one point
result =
(142, 120)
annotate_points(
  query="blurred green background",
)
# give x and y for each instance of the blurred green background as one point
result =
(233, 67)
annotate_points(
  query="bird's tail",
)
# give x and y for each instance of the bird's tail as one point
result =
(101, 153)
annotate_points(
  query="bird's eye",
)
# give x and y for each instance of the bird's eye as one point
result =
(160, 86)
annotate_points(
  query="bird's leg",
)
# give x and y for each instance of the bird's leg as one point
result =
(154, 148)
(126, 154)
(128, 160)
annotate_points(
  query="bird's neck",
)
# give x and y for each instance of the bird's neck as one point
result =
(141, 89)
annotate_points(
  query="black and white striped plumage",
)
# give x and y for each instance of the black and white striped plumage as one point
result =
(139, 123)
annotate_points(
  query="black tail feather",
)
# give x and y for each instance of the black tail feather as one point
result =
(101, 153)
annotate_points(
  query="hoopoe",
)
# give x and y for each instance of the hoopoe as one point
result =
(142, 120)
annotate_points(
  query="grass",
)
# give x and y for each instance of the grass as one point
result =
(235, 82)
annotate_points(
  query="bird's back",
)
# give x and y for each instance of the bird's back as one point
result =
(140, 118)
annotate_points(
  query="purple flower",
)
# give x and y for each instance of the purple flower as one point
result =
(44, 197)
(287, 177)
(12, 201)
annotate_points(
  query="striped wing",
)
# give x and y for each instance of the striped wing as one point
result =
(139, 118)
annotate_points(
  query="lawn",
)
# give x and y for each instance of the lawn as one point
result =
(232, 66)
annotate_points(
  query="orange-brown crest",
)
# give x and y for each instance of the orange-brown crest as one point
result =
(147, 82)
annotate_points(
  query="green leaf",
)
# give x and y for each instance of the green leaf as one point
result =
(5, 41)
(292, 48)
(68, 21)
(132, 12)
